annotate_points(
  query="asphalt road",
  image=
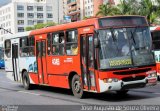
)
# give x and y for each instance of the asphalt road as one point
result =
(12, 93)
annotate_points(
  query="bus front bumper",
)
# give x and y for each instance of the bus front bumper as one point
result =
(121, 85)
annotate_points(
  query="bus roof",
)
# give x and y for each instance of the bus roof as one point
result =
(17, 35)
(72, 25)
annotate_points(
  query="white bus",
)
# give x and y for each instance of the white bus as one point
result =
(14, 62)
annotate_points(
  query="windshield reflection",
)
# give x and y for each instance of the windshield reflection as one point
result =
(125, 47)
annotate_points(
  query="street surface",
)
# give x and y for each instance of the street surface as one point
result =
(12, 93)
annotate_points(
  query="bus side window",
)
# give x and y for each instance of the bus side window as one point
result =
(31, 46)
(24, 46)
(8, 48)
(72, 42)
(58, 43)
(156, 40)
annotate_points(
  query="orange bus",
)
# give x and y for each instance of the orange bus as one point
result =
(93, 55)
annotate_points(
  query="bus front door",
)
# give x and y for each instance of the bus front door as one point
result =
(87, 60)
(41, 61)
(15, 62)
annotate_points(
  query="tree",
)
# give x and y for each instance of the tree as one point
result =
(124, 7)
(86, 18)
(107, 9)
(128, 7)
(48, 24)
(149, 10)
(40, 25)
(29, 28)
(140, 7)
(133, 7)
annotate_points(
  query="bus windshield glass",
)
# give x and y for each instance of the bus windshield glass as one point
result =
(125, 47)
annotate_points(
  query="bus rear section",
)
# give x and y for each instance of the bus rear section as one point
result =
(155, 33)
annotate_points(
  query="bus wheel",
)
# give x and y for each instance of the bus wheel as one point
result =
(26, 82)
(122, 92)
(77, 87)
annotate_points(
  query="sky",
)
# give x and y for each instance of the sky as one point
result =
(2, 2)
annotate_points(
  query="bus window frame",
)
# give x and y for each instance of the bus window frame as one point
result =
(22, 47)
(48, 53)
(72, 43)
(31, 46)
(7, 48)
(57, 44)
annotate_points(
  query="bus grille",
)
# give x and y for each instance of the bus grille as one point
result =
(130, 86)
(132, 71)
(127, 79)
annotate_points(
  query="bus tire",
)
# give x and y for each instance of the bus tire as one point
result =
(122, 92)
(26, 81)
(77, 88)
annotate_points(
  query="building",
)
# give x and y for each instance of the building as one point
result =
(73, 9)
(19, 14)
(79, 9)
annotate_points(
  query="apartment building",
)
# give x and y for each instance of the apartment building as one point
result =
(78, 9)
(19, 14)
(73, 9)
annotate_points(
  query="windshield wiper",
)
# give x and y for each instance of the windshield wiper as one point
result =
(132, 35)
(113, 36)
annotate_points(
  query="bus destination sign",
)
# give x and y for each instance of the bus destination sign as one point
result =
(122, 21)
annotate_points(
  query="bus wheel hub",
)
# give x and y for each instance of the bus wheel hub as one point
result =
(77, 86)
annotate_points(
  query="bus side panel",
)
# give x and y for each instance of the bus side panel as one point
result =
(8, 68)
(59, 68)
(55, 65)
(30, 65)
(58, 81)
(158, 68)
(56, 72)
(157, 59)
(72, 64)
(22, 65)
(33, 78)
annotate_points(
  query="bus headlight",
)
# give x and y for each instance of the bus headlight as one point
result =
(110, 80)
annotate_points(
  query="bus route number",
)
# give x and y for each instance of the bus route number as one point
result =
(56, 61)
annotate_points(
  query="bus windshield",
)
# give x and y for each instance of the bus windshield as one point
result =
(125, 47)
